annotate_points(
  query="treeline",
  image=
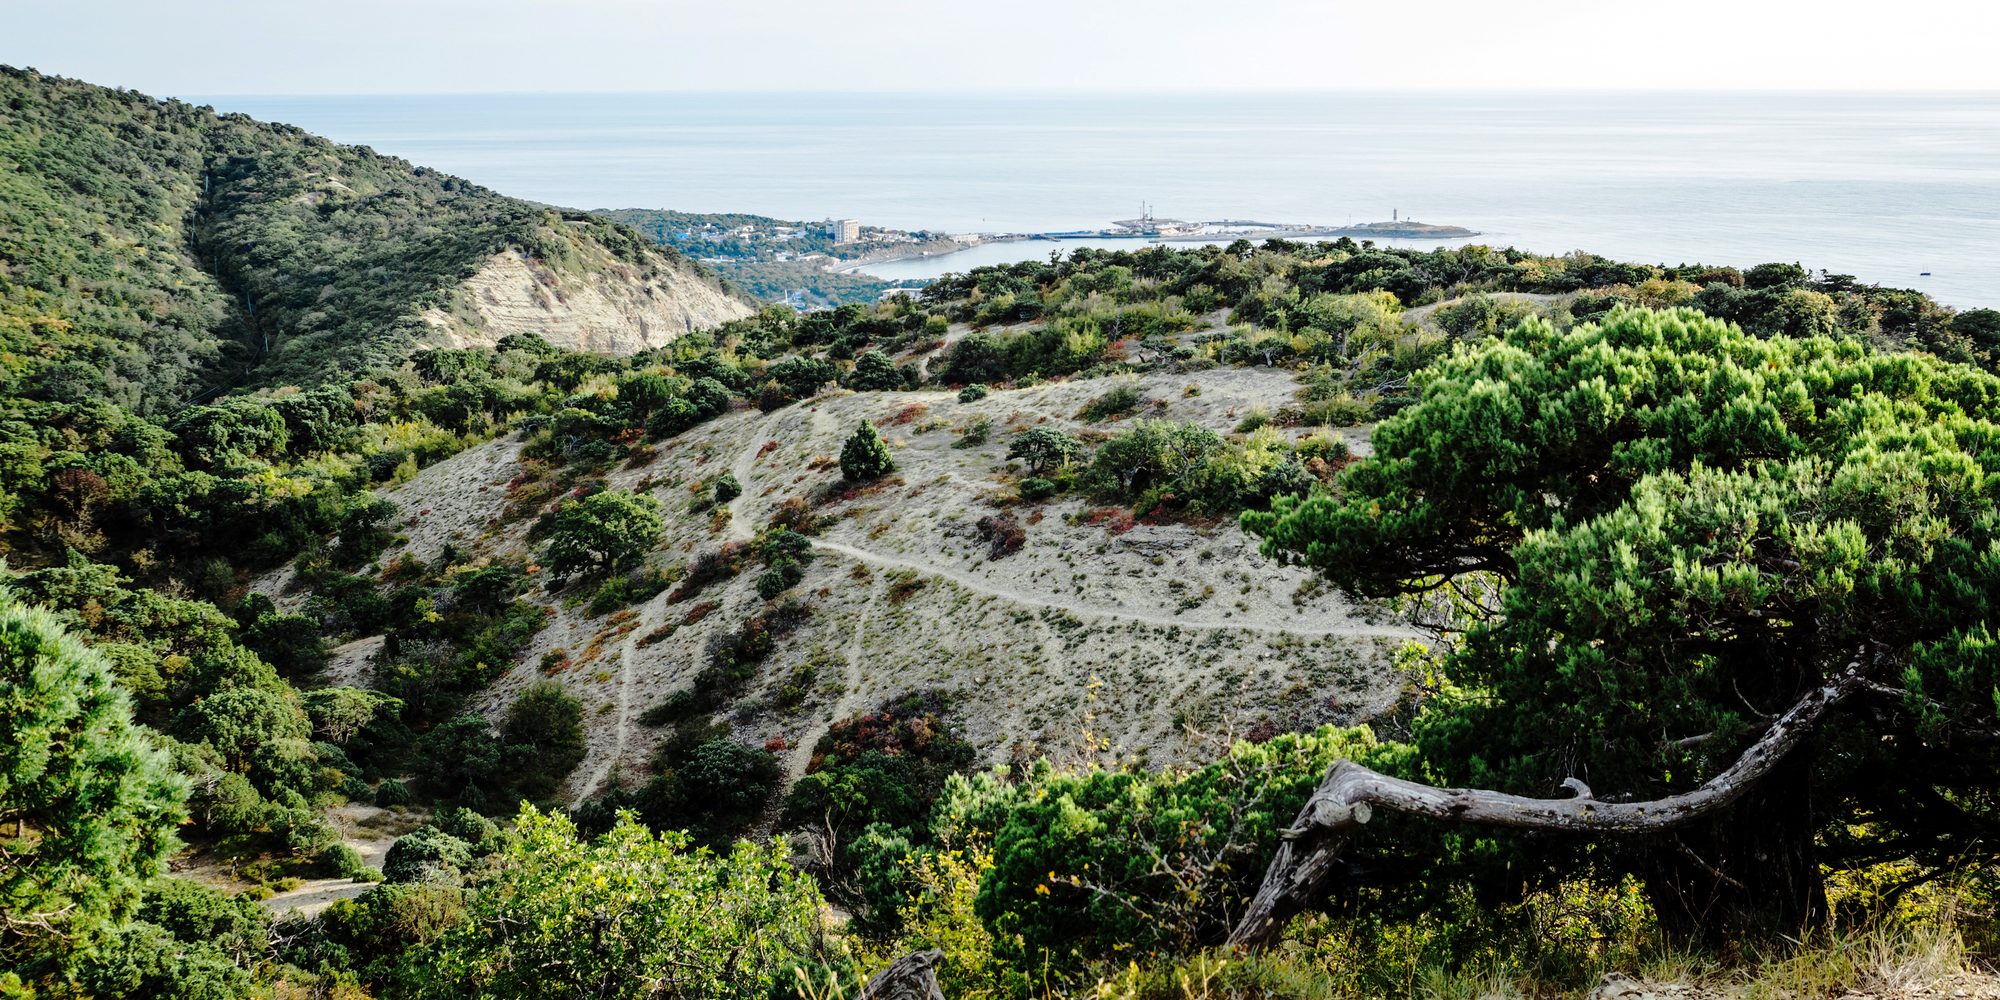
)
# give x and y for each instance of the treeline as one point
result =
(1336, 307)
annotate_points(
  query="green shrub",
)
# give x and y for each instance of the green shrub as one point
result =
(341, 861)
(726, 488)
(713, 789)
(972, 393)
(1122, 398)
(389, 792)
(688, 924)
(778, 578)
(544, 736)
(426, 854)
(975, 433)
(865, 456)
(481, 833)
(1103, 863)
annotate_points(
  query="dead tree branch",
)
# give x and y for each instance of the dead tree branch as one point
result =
(1348, 796)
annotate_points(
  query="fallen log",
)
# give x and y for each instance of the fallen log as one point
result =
(1350, 793)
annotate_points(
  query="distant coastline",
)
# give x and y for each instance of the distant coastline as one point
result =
(1157, 231)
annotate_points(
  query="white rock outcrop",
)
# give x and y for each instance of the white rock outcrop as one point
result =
(605, 305)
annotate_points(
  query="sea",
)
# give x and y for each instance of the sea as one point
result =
(1899, 189)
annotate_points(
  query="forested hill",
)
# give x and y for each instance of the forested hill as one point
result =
(154, 252)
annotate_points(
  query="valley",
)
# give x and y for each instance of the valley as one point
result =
(411, 591)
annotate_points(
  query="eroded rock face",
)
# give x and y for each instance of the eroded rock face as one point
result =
(604, 305)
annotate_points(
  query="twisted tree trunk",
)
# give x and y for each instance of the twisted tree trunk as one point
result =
(1348, 796)
(912, 977)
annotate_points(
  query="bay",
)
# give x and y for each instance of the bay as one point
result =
(1881, 186)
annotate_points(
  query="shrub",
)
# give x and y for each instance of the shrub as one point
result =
(562, 916)
(1123, 398)
(1287, 478)
(714, 789)
(426, 854)
(877, 774)
(975, 433)
(1036, 488)
(972, 393)
(390, 792)
(865, 456)
(726, 488)
(710, 568)
(778, 578)
(482, 834)
(1107, 863)
(544, 737)
(341, 861)
(628, 589)
(1003, 534)
(875, 371)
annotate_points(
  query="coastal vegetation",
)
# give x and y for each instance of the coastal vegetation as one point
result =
(1647, 517)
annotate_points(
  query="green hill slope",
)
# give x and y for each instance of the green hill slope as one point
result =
(155, 252)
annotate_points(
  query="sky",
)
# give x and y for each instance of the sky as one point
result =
(271, 47)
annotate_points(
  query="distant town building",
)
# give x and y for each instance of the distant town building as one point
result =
(844, 230)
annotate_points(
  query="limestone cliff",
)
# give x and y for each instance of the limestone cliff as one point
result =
(586, 300)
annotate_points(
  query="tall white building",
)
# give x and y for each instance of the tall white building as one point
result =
(844, 230)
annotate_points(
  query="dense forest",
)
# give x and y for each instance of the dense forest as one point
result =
(1664, 520)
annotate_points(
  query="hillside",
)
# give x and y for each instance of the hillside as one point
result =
(1158, 638)
(1030, 611)
(158, 252)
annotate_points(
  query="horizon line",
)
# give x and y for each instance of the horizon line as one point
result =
(1054, 92)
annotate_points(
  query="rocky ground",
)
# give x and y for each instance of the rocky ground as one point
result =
(1917, 985)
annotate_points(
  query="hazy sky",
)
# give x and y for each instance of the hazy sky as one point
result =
(183, 47)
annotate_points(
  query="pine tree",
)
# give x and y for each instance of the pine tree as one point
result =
(865, 456)
(88, 806)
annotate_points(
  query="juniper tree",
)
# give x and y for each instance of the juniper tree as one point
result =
(88, 805)
(1042, 447)
(1737, 594)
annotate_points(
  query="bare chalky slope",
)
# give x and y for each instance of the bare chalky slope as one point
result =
(1096, 637)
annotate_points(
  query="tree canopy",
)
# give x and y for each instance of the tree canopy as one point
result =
(603, 532)
(629, 914)
(88, 805)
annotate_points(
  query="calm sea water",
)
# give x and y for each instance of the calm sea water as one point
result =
(1880, 186)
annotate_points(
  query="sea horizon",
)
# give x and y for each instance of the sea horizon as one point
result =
(1883, 186)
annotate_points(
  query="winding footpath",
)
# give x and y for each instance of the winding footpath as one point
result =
(647, 621)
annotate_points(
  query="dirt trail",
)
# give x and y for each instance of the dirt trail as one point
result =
(849, 701)
(648, 620)
(746, 461)
(991, 589)
(360, 830)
